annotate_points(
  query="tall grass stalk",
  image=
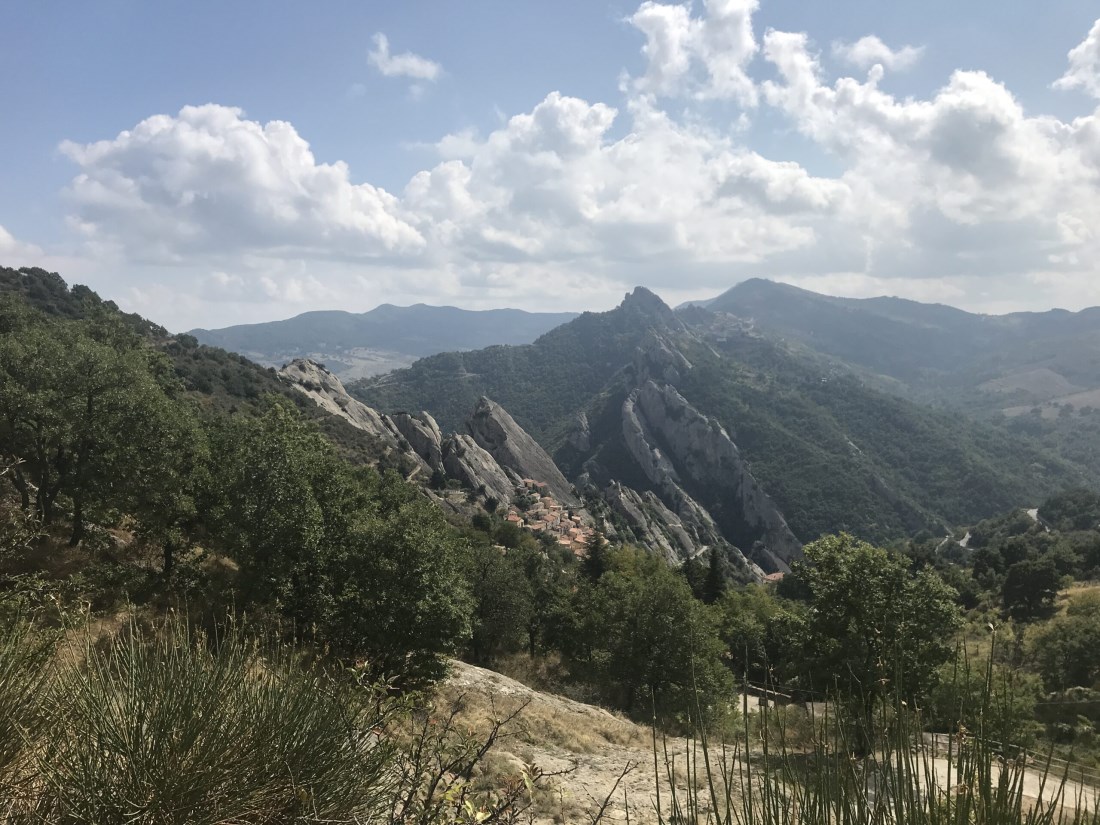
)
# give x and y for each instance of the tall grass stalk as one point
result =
(25, 654)
(845, 768)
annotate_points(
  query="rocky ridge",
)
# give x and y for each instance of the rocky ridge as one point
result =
(677, 483)
(699, 454)
(497, 432)
(494, 459)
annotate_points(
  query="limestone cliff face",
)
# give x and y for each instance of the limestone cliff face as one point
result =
(465, 460)
(580, 437)
(680, 450)
(659, 358)
(494, 456)
(316, 381)
(423, 436)
(497, 433)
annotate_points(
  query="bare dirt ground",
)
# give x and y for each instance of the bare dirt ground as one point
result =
(591, 748)
(591, 745)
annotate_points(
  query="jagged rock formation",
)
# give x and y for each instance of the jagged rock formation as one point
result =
(678, 448)
(423, 436)
(658, 358)
(491, 459)
(495, 431)
(580, 437)
(652, 524)
(327, 392)
(475, 468)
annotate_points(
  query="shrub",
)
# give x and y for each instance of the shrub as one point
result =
(178, 728)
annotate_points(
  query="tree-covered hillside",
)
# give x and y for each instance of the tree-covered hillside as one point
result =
(215, 379)
(833, 451)
(541, 384)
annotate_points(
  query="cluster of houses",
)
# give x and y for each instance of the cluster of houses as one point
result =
(536, 510)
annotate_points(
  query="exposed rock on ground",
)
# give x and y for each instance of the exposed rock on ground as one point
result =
(465, 460)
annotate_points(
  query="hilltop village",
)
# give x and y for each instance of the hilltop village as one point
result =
(533, 508)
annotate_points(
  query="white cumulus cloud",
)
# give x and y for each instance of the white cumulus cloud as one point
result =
(14, 252)
(870, 51)
(959, 193)
(1084, 65)
(405, 64)
(208, 181)
(704, 56)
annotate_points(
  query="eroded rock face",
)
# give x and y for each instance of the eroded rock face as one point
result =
(659, 358)
(653, 524)
(475, 468)
(494, 457)
(423, 436)
(498, 434)
(327, 392)
(580, 437)
(679, 533)
(680, 450)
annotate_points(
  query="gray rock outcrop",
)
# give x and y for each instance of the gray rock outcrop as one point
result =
(498, 434)
(423, 436)
(475, 468)
(580, 437)
(316, 381)
(679, 449)
(659, 358)
(494, 457)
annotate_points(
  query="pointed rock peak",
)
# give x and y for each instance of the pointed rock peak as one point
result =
(496, 432)
(641, 299)
(310, 373)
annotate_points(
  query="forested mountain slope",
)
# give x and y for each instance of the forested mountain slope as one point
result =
(936, 351)
(217, 379)
(828, 449)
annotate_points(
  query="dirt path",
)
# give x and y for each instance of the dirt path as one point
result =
(591, 747)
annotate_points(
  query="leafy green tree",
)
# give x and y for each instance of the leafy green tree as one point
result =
(502, 602)
(873, 628)
(283, 503)
(366, 560)
(396, 594)
(985, 697)
(648, 644)
(1075, 509)
(551, 617)
(715, 583)
(760, 630)
(1066, 649)
(1030, 587)
(86, 408)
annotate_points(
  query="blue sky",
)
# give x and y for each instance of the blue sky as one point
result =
(207, 163)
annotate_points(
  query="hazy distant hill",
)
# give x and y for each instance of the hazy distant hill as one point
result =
(355, 345)
(1036, 373)
(934, 349)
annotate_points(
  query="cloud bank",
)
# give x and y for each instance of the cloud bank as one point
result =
(962, 196)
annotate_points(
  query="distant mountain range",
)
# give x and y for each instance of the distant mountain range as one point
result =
(769, 417)
(747, 426)
(356, 345)
(938, 353)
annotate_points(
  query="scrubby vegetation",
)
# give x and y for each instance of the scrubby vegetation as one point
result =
(211, 612)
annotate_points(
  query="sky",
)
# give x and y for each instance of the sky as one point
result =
(208, 163)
